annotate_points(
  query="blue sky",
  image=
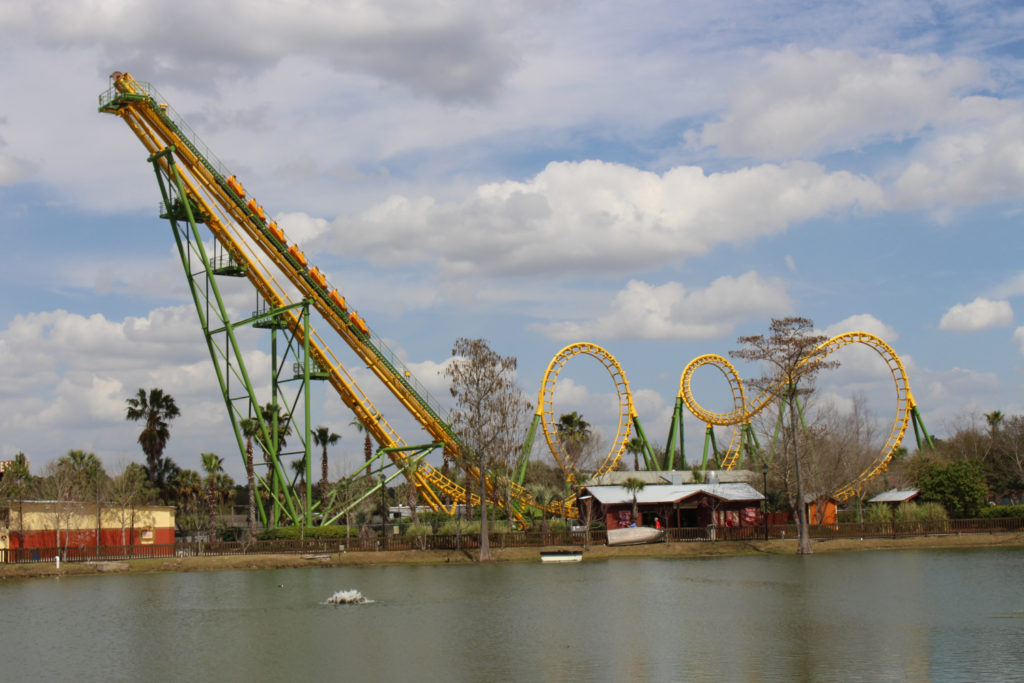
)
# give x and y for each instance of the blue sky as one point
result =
(658, 178)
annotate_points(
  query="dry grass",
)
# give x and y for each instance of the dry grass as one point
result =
(441, 557)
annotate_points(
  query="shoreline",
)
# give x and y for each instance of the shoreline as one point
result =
(529, 554)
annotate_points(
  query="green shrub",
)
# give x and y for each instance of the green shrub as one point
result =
(931, 512)
(458, 526)
(999, 511)
(847, 516)
(878, 512)
(294, 533)
(912, 511)
(558, 524)
(435, 518)
(418, 530)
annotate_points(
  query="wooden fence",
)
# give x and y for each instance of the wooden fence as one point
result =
(504, 540)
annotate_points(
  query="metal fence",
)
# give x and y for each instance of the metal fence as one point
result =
(519, 539)
(944, 527)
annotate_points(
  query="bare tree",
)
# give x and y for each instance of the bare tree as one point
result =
(488, 417)
(128, 489)
(15, 485)
(59, 484)
(789, 352)
(840, 446)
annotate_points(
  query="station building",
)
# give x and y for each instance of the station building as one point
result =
(674, 504)
(50, 524)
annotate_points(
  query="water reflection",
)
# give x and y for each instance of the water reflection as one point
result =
(903, 615)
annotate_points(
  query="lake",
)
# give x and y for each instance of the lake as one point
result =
(936, 615)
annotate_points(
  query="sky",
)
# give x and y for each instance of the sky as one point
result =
(657, 178)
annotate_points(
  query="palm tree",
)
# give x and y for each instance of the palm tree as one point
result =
(542, 495)
(634, 486)
(636, 447)
(250, 428)
(155, 410)
(324, 437)
(367, 445)
(90, 477)
(300, 473)
(187, 487)
(573, 432)
(273, 413)
(994, 419)
(213, 465)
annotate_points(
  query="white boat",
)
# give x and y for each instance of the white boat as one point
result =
(561, 556)
(635, 535)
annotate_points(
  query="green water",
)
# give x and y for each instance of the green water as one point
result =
(877, 616)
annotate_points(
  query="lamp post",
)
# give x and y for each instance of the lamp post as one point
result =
(764, 476)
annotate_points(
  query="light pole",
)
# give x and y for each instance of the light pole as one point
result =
(764, 476)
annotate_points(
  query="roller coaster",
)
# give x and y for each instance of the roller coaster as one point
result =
(743, 441)
(197, 190)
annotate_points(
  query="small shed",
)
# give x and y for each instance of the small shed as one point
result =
(821, 508)
(674, 506)
(895, 497)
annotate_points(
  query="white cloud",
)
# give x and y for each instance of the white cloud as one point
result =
(12, 170)
(301, 228)
(1018, 339)
(980, 314)
(966, 147)
(978, 163)
(808, 102)
(1013, 286)
(593, 215)
(64, 378)
(669, 311)
(452, 50)
(951, 394)
(864, 322)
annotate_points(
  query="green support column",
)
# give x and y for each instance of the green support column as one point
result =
(675, 431)
(524, 453)
(915, 418)
(650, 462)
(305, 383)
(226, 354)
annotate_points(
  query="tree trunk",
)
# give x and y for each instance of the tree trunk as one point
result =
(251, 485)
(211, 502)
(99, 520)
(323, 477)
(804, 544)
(485, 541)
(412, 498)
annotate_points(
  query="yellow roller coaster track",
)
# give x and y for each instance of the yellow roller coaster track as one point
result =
(743, 411)
(255, 242)
(545, 406)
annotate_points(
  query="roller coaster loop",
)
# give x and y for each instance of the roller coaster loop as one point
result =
(745, 410)
(546, 411)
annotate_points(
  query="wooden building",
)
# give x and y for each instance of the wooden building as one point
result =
(821, 509)
(675, 506)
